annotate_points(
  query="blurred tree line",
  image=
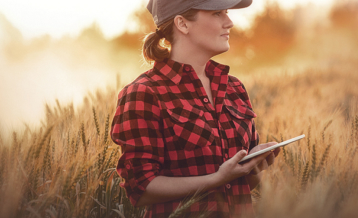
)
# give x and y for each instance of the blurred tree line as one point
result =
(272, 36)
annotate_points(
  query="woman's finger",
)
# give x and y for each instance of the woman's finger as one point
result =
(270, 159)
(263, 165)
(255, 162)
(239, 155)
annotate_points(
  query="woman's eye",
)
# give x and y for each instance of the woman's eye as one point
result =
(218, 13)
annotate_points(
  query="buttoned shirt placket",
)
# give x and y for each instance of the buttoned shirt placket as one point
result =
(218, 98)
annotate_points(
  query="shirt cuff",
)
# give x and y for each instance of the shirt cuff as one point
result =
(136, 179)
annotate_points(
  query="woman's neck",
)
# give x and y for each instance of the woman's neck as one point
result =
(188, 55)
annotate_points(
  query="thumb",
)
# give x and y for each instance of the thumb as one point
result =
(239, 155)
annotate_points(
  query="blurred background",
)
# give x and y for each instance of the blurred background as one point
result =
(62, 64)
(66, 49)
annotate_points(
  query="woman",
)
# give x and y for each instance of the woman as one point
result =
(184, 125)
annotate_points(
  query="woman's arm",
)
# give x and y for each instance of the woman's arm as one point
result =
(163, 189)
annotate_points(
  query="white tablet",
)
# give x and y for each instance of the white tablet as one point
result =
(272, 147)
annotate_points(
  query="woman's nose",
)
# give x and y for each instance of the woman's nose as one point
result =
(228, 23)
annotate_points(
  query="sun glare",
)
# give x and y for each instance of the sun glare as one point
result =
(68, 17)
(56, 18)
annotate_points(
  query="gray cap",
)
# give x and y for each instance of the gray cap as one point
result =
(164, 10)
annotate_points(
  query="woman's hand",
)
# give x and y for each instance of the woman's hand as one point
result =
(231, 169)
(163, 189)
(269, 160)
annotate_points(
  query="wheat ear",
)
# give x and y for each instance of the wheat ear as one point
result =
(96, 121)
(323, 159)
(105, 138)
(324, 129)
(314, 161)
(305, 176)
(309, 138)
(39, 148)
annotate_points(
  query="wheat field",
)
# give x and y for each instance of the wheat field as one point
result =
(66, 167)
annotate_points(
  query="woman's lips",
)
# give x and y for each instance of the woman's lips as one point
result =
(226, 35)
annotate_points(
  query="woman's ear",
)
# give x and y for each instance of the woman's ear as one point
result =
(181, 24)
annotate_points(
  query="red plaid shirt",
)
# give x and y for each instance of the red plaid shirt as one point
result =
(166, 126)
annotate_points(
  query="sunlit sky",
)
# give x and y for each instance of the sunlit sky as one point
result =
(68, 17)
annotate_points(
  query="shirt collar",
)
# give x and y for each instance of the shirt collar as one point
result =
(174, 70)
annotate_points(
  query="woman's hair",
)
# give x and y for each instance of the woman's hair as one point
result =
(156, 47)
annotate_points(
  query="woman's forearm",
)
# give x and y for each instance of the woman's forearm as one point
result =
(163, 189)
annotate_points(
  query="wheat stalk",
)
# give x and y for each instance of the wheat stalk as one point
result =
(186, 204)
(46, 164)
(105, 138)
(299, 170)
(275, 138)
(68, 181)
(99, 159)
(96, 121)
(324, 129)
(305, 176)
(35, 178)
(104, 154)
(256, 193)
(53, 153)
(73, 147)
(109, 159)
(291, 161)
(79, 174)
(77, 141)
(47, 133)
(314, 161)
(323, 159)
(309, 138)
(16, 146)
(84, 140)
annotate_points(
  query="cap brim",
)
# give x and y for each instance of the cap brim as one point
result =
(223, 4)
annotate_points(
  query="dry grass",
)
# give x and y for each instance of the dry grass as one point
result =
(317, 176)
(66, 168)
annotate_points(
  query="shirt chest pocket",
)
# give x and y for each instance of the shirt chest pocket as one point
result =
(189, 128)
(240, 120)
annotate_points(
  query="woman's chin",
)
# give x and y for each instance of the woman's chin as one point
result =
(223, 50)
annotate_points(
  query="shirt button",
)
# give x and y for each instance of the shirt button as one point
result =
(206, 100)
(187, 68)
(128, 167)
(228, 186)
(226, 156)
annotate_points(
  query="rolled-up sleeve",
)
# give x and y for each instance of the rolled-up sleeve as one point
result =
(136, 128)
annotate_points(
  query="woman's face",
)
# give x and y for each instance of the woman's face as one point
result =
(210, 31)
